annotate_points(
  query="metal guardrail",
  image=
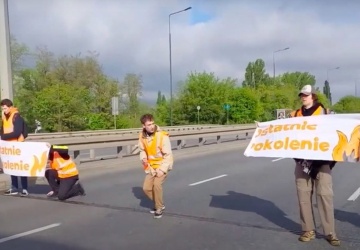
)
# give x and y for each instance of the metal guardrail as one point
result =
(129, 147)
(88, 133)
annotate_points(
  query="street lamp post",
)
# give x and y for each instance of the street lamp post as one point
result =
(171, 94)
(274, 59)
(198, 113)
(5, 57)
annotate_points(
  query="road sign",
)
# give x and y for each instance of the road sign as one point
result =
(198, 107)
(115, 105)
(226, 106)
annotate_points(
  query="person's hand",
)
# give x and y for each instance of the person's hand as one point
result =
(159, 173)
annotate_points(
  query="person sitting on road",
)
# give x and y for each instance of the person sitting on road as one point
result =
(63, 176)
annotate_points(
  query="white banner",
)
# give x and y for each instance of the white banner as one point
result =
(24, 158)
(333, 137)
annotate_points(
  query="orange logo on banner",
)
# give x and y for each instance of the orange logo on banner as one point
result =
(38, 164)
(347, 150)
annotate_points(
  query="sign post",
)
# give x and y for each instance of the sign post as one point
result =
(198, 111)
(227, 108)
(115, 107)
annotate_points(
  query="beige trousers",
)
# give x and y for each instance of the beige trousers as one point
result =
(153, 189)
(324, 197)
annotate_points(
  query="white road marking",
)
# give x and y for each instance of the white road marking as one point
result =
(29, 232)
(217, 177)
(355, 195)
(278, 159)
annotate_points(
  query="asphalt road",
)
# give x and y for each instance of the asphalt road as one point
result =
(250, 204)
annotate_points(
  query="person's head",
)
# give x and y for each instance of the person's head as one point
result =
(62, 151)
(308, 96)
(6, 104)
(148, 123)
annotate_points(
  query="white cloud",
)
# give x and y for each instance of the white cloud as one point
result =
(132, 36)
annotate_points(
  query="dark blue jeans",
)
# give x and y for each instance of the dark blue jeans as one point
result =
(15, 182)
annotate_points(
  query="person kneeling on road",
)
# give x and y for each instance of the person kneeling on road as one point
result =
(63, 176)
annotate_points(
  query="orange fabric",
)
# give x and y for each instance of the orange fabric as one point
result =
(8, 125)
(153, 149)
(65, 168)
(298, 112)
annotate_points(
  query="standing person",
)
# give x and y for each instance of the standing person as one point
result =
(13, 129)
(310, 174)
(157, 159)
(63, 176)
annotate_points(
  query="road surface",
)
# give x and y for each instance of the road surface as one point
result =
(218, 200)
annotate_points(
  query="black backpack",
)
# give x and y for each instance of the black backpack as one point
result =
(25, 131)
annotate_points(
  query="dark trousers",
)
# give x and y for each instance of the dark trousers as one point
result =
(65, 188)
(15, 182)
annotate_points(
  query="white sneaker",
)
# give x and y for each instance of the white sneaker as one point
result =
(24, 192)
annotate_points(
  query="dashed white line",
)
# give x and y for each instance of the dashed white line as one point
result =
(355, 195)
(214, 178)
(278, 159)
(29, 232)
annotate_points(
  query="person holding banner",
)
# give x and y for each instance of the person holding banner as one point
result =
(310, 174)
(13, 130)
(63, 176)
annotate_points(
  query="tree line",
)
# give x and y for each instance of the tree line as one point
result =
(72, 93)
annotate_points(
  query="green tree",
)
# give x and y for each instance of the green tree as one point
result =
(255, 74)
(132, 88)
(347, 104)
(18, 51)
(245, 106)
(204, 90)
(61, 107)
(298, 79)
(327, 92)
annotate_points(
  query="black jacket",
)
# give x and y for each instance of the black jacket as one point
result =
(18, 128)
(314, 164)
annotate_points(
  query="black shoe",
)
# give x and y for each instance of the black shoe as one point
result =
(11, 192)
(154, 210)
(158, 215)
(81, 189)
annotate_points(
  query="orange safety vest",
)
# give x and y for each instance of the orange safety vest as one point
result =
(8, 125)
(154, 149)
(65, 168)
(319, 111)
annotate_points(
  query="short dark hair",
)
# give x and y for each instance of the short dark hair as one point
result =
(146, 117)
(6, 102)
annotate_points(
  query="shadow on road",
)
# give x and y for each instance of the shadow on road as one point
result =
(26, 243)
(352, 218)
(248, 203)
(144, 200)
(39, 189)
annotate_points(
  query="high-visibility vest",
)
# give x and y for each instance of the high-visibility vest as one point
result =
(154, 149)
(8, 126)
(319, 111)
(65, 168)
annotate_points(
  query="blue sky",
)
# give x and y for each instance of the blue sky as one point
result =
(200, 16)
(214, 36)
